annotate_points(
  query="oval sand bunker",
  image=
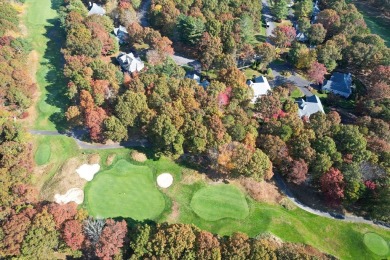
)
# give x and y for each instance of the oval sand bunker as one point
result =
(164, 180)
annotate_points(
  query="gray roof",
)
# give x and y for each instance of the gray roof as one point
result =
(96, 9)
(339, 83)
(309, 106)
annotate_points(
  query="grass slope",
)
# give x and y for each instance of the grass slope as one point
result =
(342, 239)
(376, 244)
(125, 190)
(218, 202)
(46, 37)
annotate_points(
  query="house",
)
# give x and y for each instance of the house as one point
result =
(301, 37)
(130, 63)
(260, 87)
(309, 106)
(340, 84)
(96, 9)
(204, 83)
(121, 34)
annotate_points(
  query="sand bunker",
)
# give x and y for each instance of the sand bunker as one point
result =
(164, 180)
(74, 194)
(87, 171)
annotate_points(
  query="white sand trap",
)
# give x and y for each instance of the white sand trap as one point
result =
(74, 194)
(164, 180)
(87, 171)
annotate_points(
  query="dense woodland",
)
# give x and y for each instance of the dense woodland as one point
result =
(217, 127)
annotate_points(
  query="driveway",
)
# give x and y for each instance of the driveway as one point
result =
(295, 78)
(268, 15)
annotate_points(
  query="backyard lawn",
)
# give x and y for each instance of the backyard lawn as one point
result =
(46, 37)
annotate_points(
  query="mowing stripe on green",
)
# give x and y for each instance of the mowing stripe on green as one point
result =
(220, 201)
(376, 244)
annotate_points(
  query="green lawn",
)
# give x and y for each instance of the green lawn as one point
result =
(47, 37)
(220, 201)
(296, 93)
(125, 190)
(42, 154)
(376, 244)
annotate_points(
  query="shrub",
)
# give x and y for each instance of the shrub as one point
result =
(287, 204)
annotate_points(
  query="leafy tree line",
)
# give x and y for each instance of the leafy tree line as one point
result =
(174, 113)
(16, 87)
(348, 163)
(215, 32)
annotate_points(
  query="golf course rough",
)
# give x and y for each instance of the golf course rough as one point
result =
(376, 244)
(125, 190)
(220, 201)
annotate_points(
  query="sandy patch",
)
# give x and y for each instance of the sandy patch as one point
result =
(94, 158)
(138, 157)
(174, 216)
(262, 191)
(164, 180)
(110, 159)
(65, 178)
(190, 176)
(74, 194)
(87, 171)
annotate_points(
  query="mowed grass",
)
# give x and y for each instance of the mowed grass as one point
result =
(218, 202)
(376, 244)
(339, 238)
(41, 20)
(42, 154)
(125, 190)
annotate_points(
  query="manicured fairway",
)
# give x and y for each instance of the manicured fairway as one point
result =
(220, 201)
(42, 22)
(376, 244)
(42, 155)
(125, 190)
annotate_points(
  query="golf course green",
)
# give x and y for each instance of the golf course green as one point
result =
(376, 244)
(42, 154)
(125, 190)
(220, 201)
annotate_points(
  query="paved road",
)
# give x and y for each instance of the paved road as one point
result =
(295, 78)
(347, 218)
(268, 15)
(92, 146)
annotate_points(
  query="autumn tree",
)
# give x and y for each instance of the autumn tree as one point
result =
(330, 20)
(111, 239)
(209, 48)
(207, 246)
(236, 247)
(332, 185)
(73, 234)
(62, 213)
(303, 8)
(265, 53)
(317, 72)
(316, 34)
(113, 129)
(283, 36)
(329, 53)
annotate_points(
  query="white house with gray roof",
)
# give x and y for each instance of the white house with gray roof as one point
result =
(309, 106)
(260, 87)
(339, 84)
(130, 63)
(121, 34)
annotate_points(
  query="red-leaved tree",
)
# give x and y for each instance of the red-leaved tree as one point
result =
(111, 239)
(317, 72)
(298, 171)
(73, 234)
(332, 185)
(283, 36)
(64, 212)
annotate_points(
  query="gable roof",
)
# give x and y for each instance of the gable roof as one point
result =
(339, 83)
(260, 87)
(309, 106)
(96, 9)
(130, 63)
(192, 75)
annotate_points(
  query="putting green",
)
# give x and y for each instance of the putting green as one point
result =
(125, 190)
(220, 201)
(42, 155)
(376, 244)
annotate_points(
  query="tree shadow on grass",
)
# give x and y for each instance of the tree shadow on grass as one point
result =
(54, 62)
